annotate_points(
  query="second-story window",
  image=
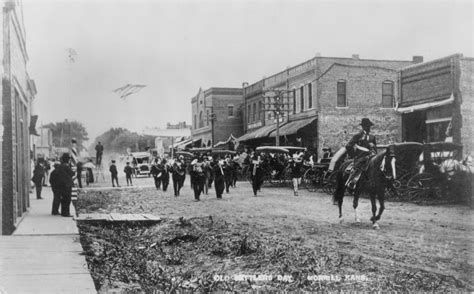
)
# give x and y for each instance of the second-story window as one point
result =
(207, 117)
(201, 120)
(254, 116)
(249, 108)
(302, 99)
(310, 96)
(260, 109)
(341, 94)
(294, 100)
(230, 110)
(388, 100)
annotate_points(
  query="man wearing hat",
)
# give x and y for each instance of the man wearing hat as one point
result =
(64, 184)
(361, 147)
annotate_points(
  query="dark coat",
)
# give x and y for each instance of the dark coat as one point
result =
(64, 176)
(296, 168)
(128, 170)
(113, 170)
(38, 174)
(359, 139)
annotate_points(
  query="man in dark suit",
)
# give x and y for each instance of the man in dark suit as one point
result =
(99, 149)
(219, 175)
(165, 174)
(64, 184)
(178, 175)
(361, 147)
(256, 173)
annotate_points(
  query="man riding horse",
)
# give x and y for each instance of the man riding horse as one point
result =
(368, 165)
(361, 147)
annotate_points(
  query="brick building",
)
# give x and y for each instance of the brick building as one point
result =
(437, 101)
(325, 99)
(225, 104)
(18, 91)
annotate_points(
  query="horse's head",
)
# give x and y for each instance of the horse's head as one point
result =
(387, 162)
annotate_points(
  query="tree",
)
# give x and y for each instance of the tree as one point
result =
(64, 131)
(117, 140)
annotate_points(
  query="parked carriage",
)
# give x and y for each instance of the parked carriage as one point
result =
(441, 174)
(313, 177)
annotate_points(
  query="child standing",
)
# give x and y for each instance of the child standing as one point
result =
(114, 173)
(128, 173)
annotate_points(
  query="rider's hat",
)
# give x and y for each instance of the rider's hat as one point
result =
(366, 122)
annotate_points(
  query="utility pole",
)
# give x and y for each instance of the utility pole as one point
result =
(278, 103)
(211, 116)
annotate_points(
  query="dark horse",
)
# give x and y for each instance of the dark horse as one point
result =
(374, 181)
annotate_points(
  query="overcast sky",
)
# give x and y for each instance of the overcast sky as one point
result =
(176, 47)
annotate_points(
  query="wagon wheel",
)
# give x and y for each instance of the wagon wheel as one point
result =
(313, 178)
(329, 183)
(422, 187)
(309, 179)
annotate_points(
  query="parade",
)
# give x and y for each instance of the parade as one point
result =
(236, 146)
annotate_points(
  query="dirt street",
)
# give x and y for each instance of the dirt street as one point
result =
(432, 240)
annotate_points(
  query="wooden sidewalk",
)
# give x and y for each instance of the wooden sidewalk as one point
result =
(119, 217)
(44, 254)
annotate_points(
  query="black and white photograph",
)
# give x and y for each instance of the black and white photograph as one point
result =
(209, 146)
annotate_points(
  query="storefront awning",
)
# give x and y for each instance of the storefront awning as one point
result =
(259, 133)
(425, 106)
(293, 127)
(181, 144)
(223, 143)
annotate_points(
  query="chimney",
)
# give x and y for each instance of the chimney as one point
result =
(318, 54)
(355, 56)
(245, 84)
(417, 59)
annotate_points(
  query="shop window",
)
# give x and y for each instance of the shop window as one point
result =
(437, 130)
(341, 94)
(388, 100)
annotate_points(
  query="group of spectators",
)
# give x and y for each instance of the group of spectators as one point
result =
(61, 180)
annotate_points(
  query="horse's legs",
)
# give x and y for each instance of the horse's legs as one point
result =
(339, 192)
(379, 192)
(381, 196)
(355, 204)
(374, 205)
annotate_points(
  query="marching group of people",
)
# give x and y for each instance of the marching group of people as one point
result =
(222, 171)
